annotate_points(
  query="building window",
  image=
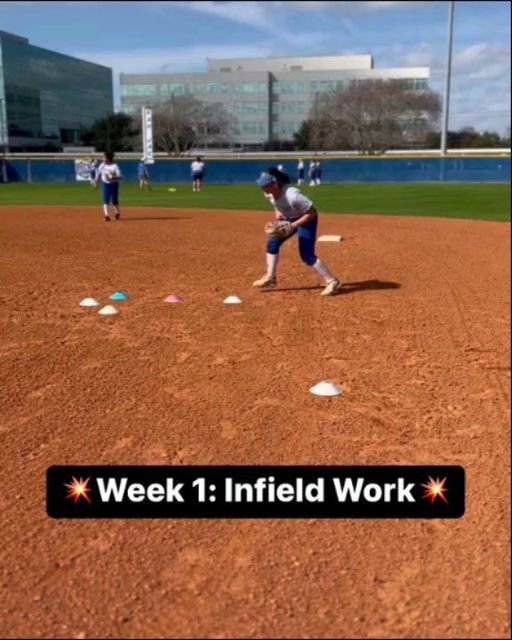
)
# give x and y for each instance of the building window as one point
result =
(358, 82)
(320, 86)
(288, 107)
(68, 136)
(216, 87)
(416, 84)
(250, 87)
(288, 87)
(176, 89)
(286, 128)
(420, 83)
(249, 107)
(253, 128)
(225, 69)
(296, 68)
(202, 88)
(138, 90)
(131, 108)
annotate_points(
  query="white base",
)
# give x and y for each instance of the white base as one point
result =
(330, 238)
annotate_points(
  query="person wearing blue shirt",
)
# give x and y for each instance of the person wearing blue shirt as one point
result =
(142, 172)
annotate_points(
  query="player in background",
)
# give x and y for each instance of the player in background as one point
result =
(110, 174)
(94, 164)
(300, 171)
(290, 204)
(197, 171)
(312, 173)
(142, 172)
(318, 172)
(280, 167)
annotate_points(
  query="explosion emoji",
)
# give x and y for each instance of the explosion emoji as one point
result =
(78, 489)
(435, 489)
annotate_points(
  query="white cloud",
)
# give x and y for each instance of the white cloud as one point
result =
(357, 7)
(483, 61)
(254, 15)
(169, 60)
(480, 81)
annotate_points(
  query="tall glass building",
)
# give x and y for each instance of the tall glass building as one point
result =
(268, 97)
(47, 99)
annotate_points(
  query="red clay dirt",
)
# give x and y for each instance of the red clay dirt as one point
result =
(419, 340)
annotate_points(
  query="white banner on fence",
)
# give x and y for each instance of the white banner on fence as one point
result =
(84, 170)
(147, 135)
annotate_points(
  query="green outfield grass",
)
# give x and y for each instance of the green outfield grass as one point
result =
(479, 201)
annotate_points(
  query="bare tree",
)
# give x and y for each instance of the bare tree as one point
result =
(183, 122)
(375, 116)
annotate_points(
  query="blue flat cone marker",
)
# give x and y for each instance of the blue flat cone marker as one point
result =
(119, 295)
(173, 298)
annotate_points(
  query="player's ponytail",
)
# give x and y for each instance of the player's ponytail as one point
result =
(281, 178)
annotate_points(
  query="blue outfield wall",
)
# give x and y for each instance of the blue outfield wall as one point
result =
(460, 169)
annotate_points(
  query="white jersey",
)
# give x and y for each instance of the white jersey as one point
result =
(292, 204)
(300, 165)
(197, 167)
(108, 171)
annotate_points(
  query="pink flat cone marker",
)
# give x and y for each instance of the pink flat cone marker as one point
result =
(173, 298)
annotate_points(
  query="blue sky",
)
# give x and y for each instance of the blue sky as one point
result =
(179, 36)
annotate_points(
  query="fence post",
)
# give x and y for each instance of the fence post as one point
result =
(29, 171)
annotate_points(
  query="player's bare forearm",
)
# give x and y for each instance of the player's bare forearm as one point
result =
(307, 217)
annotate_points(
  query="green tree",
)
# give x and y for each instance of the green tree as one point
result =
(488, 140)
(117, 132)
(302, 138)
(506, 138)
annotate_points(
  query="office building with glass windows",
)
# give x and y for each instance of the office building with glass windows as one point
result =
(269, 97)
(47, 99)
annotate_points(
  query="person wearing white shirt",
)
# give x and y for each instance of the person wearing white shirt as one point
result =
(110, 174)
(197, 171)
(292, 205)
(312, 173)
(300, 171)
(318, 172)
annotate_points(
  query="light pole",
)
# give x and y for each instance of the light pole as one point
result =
(316, 123)
(446, 101)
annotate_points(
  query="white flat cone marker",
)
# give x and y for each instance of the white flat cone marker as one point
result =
(109, 310)
(89, 302)
(326, 388)
(232, 300)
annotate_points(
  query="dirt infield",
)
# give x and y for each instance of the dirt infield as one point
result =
(419, 340)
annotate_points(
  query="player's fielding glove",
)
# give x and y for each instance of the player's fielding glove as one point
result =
(279, 228)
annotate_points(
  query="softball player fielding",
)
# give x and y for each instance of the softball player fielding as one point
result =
(292, 206)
